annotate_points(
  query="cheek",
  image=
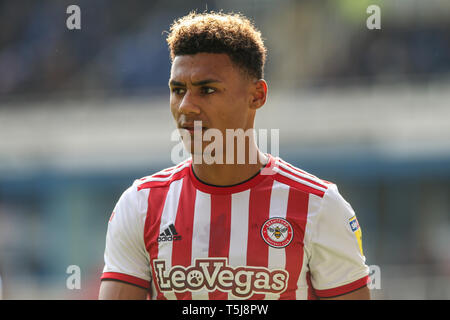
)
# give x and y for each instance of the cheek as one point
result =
(173, 108)
(230, 119)
(236, 112)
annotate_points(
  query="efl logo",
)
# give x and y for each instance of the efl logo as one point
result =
(277, 232)
(354, 223)
(354, 226)
(214, 273)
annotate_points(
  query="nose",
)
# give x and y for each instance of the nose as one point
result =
(188, 105)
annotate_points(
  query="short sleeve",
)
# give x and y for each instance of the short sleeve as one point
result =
(126, 258)
(337, 263)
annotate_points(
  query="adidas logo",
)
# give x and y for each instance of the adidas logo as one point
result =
(170, 234)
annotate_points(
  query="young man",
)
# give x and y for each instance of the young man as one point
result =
(260, 229)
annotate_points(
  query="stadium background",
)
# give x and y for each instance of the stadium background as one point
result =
(85, 112)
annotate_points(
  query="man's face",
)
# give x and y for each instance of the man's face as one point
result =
(210, 88)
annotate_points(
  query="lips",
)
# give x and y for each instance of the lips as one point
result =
(190, 127)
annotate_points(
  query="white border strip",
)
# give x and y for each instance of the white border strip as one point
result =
(299, 173)
(277, 170)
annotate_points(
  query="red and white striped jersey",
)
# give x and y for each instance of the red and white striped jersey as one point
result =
(283, 234)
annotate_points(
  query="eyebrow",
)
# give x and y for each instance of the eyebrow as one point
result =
(197, 83)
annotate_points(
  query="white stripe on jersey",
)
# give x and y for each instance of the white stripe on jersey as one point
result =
(278, 208)
(168, 216)
(307, 174)
(200, 232)
(314, 204)
(239, 230)
(301, 173)
(292, 177)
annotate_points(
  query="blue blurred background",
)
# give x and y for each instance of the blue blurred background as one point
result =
(85, 112)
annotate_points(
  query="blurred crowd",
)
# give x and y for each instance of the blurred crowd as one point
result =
(52, 216)
(117, 48)
(121, 49)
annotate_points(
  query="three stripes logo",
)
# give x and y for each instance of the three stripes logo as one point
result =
(170, 234)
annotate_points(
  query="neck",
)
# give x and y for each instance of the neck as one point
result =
(228, 174)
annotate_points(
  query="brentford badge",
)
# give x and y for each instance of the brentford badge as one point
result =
(277, 232)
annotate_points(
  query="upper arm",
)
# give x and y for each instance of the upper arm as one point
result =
(115, 290)
(336, 262)
(126, 257)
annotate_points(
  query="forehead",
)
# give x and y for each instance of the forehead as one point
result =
(203, 65)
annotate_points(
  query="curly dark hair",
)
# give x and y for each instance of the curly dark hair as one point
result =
(217, 32)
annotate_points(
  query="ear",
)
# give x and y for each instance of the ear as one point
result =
(259, 94)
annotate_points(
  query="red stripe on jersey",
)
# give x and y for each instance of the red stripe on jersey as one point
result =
(165, 181)
(259, 206)
(303, 172)
(219, 236)
(327, 293)
(298, 185)
(296, 214)
(177, 166)
(184, 224)
(156, 200)
(126, 278)
(166, 174)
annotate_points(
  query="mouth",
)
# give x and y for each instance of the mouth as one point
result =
(191, 128)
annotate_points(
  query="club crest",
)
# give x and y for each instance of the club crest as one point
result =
(277, 232)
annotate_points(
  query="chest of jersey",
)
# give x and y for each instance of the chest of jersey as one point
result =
(241, 244)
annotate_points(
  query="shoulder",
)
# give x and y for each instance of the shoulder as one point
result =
(331, 219)
(164, 177)
(300, 179)
(135, 196)
(324, 199)
(334, 210)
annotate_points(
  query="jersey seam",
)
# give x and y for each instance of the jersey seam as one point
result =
(313, 234)
(319, 216)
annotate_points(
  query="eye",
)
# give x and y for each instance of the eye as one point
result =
(178, 90)
(207, 90)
